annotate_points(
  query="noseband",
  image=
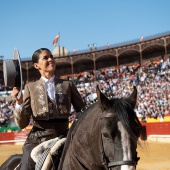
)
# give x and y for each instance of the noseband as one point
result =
(119, 163)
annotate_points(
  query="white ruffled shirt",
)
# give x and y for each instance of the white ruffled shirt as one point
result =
(49, 84)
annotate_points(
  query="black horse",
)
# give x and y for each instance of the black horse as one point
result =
(104, 136)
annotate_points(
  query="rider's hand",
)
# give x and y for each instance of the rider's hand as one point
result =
(14, 94)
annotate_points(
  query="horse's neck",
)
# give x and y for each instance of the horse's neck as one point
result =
(89, 129)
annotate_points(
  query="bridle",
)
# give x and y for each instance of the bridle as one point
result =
(116, 163)
(119, 163)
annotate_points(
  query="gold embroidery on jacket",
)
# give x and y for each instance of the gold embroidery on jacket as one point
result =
(42, 110)
(61, 98)
(63, 109)
(59, 88)
(41, 100)
(59, 91)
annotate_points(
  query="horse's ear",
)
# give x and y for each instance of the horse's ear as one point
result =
(102, 99)
(133, 97)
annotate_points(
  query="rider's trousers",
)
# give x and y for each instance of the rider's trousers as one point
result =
(26, 162)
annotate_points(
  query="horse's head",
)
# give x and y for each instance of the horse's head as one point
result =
(120, 130)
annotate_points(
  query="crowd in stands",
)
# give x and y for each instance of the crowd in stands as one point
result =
(151, 79)
(6, 111)
(152, 82)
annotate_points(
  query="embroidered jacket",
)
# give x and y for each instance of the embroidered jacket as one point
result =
(40, 107)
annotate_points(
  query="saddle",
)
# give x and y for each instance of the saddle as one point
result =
(47, 154)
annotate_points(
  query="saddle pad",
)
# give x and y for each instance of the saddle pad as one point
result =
(38, 150)
(43, 156)
(44, 162)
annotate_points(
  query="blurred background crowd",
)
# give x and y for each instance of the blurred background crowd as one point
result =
(151, 80)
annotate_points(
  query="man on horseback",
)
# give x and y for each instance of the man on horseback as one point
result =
(48, 102)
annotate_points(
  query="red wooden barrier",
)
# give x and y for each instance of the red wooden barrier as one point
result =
(157, 128)
(13, 136)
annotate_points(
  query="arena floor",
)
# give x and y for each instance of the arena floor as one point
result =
(153, 155)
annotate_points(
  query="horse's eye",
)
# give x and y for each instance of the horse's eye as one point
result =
(106, 135)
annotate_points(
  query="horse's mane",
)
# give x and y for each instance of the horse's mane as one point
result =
(125, 113)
